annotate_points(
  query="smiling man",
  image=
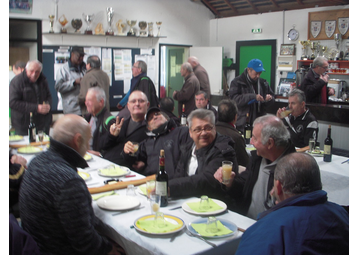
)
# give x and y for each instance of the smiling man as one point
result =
(301, 123)
(200, 158)
(202, 102)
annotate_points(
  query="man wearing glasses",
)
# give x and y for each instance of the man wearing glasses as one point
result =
(200, 158)
(315, 82)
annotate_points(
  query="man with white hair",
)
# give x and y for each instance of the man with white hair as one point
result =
(28, 92)
(201, 74)
(55, 205)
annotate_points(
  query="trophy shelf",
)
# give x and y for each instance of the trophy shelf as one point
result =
(81, 34)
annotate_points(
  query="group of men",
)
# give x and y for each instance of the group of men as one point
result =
(59, 215)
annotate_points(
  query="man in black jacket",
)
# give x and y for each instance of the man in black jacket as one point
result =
(28, 92)
(251, 188)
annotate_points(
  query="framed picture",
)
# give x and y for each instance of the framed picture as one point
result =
(288, 49)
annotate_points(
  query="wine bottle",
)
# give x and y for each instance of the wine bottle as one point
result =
(183, 116)
(247, 129)
(32, 130)
(161, 184)
(328, 144)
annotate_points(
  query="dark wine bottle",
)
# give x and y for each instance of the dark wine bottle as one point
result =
(32, 130)
(161, 185)
(328, 144)
(183, 117)
(247, 129)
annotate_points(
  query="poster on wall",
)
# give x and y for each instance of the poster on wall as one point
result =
(20, 6)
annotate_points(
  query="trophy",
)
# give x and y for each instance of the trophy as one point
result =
(63, 21)
(304, 49)
(109, 20)
(131, 23)
(150, 29)
(159, 23)
(313, 46)
(143, 26)
(76, 24)
(324, 50)
(88, 19)
(338, 40)
(120, 26)
(346, 54)
(52, 18)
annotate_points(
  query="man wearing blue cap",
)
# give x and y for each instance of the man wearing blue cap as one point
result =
(251, 93)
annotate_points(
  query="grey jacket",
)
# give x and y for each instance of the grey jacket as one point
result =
(65, 78)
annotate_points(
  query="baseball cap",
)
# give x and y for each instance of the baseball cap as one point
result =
(78, 49)
(151, 109)
(256, 64)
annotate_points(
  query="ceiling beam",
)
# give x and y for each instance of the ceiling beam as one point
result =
(274, 3)
(211, 7)
(252, 5)
(231, 6)
(299, 2)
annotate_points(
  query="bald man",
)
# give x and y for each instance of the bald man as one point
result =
(201, 74)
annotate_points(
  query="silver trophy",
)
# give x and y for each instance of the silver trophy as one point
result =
(131, 23)
(143, 28)
(88, 19)
(338, 40)
(110, 13)
(159, 24)
(150, 29)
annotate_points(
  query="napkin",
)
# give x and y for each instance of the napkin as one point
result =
(213, 206)
(201, 229)
(98, 196)
(149, 226)
(143, 188)
(112, 171)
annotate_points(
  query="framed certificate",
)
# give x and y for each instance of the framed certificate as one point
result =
(288, 49)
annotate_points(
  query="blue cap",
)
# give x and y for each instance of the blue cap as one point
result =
(256, 64)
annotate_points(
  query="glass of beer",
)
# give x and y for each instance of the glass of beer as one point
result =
(311, 144)
(226, 171)
(286, 112)
(136, 147)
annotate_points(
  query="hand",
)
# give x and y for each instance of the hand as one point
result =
(138, 165)
(128, 148)
(259, 98)
(116, 127)
(43, 108)
(174, 93)
(119, 106)
(324, 77)
(331, 91)
(78, 81)
(279, 111)
(268, 97)
(17, 159)
(219, 176)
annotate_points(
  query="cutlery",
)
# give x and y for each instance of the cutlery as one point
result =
(174, 208)
(345, 161)
(241, 229)
(203, 239)
(117, 213)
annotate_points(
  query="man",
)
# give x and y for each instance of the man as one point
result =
(166, 106)
(28, 92)
(124, 130)
(201, 74)
(93, 77)
(301, 123)
(315, 82)
(186, 96)
(227, 115)
(99, 118)
(251, 187)
(302, 221)
(201, 157)
(251, 93)
(55, 205)
(142, 82)
(18, 67)
(68, 80)
(202, 102)
(162, 134)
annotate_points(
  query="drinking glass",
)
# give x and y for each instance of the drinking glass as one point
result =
(204, 203)
(154, 200)
(136, 146)
(212, 225)
(226, 171)
(150, 186)
(286, 112)
(130, 190)
(311, 144)
(159, 220)
(40, 135)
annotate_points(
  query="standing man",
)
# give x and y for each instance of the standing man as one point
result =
(302, 221)
(201, 74)
(301, 123)
(68, 80)
(93, 77)
(251, 93)
(315, 82)
(186, 95)
(99, 118)
(202, 102)
(28, 92)
(55, 205)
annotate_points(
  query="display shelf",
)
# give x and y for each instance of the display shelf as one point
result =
(120, 36)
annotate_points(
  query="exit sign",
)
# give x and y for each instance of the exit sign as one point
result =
(256, 30)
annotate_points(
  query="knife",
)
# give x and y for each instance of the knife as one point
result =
(174, 208)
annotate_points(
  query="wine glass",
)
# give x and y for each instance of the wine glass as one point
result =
(40, 135)
(135, 148)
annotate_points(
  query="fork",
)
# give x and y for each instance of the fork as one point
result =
(203, 239)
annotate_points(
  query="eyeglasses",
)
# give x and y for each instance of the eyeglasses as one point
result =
(206, 128)
(152, 115)
(135, 66)
(141, 101)
(324, 67)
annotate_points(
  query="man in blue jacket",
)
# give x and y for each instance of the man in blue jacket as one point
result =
(302, 221)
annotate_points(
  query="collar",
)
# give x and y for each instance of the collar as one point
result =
(79, 68)
(315, 75)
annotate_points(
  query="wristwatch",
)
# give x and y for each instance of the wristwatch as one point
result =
(292, 34)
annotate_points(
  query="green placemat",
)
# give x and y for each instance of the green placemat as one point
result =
(112, 171)
(143, 188)
(148, 225)
(104, 194)
(213, 206)
(201, 229)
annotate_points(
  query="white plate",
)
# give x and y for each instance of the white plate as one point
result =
(15, 138)
(316, 154)
(84, 175)
(125, 171)
(170, 218)
(230, 225)
(187, 208)
(87, 157)
(118, 203)
(29, 150)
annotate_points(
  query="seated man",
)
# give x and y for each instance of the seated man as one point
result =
(124, 130)
(302, 221)
(251, 188)
(301, 123)
(227, 116)
(202, 102)
(199, 159)
(166, 106)
(55, 205)
(99, 118)
(162, 134)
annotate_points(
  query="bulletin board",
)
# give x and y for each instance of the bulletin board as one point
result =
(324, 16)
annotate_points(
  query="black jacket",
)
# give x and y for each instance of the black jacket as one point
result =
(312, 85)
